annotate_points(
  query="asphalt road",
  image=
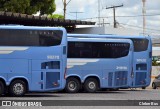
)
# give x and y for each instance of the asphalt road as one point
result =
(137, 94)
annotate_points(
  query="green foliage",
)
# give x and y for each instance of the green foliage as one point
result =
(14, 5)
(154, 63)
(48, 8)
(57, 16)
(28, 6)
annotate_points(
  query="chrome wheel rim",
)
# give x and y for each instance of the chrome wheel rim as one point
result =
(72, 85)
(18, 88)
(92, 85)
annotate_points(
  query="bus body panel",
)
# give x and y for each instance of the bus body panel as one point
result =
(140, 78)
(43, 67)
(102, 68)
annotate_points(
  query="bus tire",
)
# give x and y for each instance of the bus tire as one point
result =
(17, 88)
(91, 85)
(72, 85)
(143, 88)
(1, 88)
(114, 89)
(154, 86)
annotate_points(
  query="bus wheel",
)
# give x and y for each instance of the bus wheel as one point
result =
(154, 86)
(91, 85)
(143, 87)
(115, 89)
(72, 85)
(1, 88)
(17, 88)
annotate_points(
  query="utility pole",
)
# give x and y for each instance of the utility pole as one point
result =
(65, 5)
(114, 14)
(144, 13)
(76, 13)
(99, 12)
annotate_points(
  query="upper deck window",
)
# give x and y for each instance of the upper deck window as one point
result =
(23, 37)
(140, 44)
(97, 49)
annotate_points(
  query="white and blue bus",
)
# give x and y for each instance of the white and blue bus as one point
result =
(96, 63)
(32, 59)
(142, 57)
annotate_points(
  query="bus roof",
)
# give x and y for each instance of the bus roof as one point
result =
(105, 36)
(98, 39)
(30, 27)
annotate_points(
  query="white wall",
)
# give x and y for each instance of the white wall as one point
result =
(107, 30)
(117, 31)
(90, 30)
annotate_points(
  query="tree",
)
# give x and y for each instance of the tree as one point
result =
(57, 16)
(14, 5)
(28, 6)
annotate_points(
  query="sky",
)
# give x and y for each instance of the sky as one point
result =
(130, 8)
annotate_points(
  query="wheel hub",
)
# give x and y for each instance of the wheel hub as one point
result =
(18, 88)
(72, 85)
(92, 85)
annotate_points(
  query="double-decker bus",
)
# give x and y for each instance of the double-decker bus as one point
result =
(32, 59)
(142, 57)
(96, 63)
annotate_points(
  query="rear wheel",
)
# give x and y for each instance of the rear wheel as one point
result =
(143, 87)
(1, 88)
(17, 88)
(154, 86)
(72, 85)
(115, 89)
(91, 85)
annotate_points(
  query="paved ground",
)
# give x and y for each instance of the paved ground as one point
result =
(137, 94)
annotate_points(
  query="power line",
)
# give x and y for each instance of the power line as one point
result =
(139, 15)
(76, 13)
(151, 15)
(70, 15)
(102, 4)
(139, 27)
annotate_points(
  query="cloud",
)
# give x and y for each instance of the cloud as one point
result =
(130, 8)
